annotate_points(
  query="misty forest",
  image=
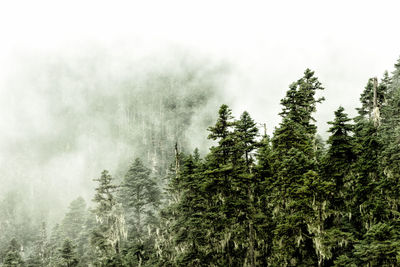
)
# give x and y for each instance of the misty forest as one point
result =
(169, 195)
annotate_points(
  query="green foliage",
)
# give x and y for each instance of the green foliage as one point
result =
(287, 200)
(140, 197)
(297, 189)
(13, 257)
(67, 254)
(110, 223)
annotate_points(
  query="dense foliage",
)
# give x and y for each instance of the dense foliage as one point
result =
(253, 200)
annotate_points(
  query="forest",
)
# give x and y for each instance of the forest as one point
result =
(289, 199)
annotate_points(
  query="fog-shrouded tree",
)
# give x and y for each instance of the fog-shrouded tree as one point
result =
(110, 229)
(73, 222)
(13, 256)
(140, 197)
(67, 254)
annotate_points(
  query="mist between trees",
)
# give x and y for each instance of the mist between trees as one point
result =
(290, 199)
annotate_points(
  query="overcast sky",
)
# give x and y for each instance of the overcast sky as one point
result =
(267, 44)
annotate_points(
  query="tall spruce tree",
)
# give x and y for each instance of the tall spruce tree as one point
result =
(244, 185)
(110, 228)
(336, 168)
(189, 225)
(218, 186)
(264, 201)
(74, 220)
(298, 190)
(140, 198)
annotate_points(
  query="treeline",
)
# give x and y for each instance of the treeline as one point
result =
(253, 200)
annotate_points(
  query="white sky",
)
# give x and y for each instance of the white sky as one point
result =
(269, 43)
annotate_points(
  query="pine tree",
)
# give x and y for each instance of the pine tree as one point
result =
(188, 225)
(340, 154)
(55, 242)
(244, 185)
(164, 234)
(380, 238)
(140, 198)
(67, 253)
(110, 228)
(367, 189)
(74, 219)
(218, 186)
(298, 190)
(264, 201)
(13, 257)
(42, 248)
(336, 168)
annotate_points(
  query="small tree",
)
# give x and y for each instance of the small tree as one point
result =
(13, 257)
(67, 254)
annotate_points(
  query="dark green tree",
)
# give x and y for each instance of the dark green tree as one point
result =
(263, 200)
(336, 168)
(298, 191)
(67, 254)
(140, 198)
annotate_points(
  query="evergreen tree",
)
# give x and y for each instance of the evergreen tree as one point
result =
(367, 208)
(395, 78)
(140, 197)
(67, 253)
(244, 185)
(298, 191)
(110, 228)
(264, 201)
(166, 252)
(55, 242)
(74, 219)
(336, 168)
(13, 257)
(42, 249)
(188, 225)
(218, 186)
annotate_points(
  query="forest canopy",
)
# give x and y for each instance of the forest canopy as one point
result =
(289, 199)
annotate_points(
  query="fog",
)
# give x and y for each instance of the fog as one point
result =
(69, 70)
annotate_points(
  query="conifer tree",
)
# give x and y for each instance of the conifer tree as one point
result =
(110, 228)
(55, 242)
(298, 191)
(218, 186)
(13, 257)
(41, 252)
(244, 185)
(140, 197)
(367, 205)
(264, 201)
(74, 219)
(67, 254)
(74, 228)
(189, 225)
(165, 240)
(336, 168)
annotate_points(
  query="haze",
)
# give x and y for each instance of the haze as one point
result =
(53, 53)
